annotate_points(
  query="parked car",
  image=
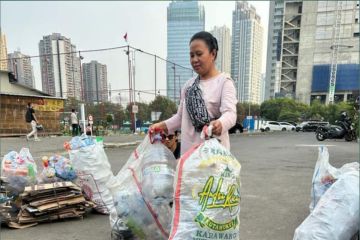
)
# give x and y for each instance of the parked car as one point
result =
(270, 126)
(287, 126)
(310, 126)
(238, 127)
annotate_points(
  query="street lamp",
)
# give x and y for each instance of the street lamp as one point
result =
(173, 67)
(81, 78)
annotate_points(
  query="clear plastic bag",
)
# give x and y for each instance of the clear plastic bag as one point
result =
(19, 164)
(57, 168)
(336, 215)
(143, 193)
(324, 176)
(20, 170)
(207, 194)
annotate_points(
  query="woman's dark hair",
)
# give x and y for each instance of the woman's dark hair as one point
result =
(209, 39)
(29, 104)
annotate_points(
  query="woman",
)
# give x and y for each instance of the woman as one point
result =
(209, 98)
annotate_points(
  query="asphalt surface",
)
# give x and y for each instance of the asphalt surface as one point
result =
(275, 185)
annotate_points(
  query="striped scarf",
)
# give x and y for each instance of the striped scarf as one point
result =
(195, 105)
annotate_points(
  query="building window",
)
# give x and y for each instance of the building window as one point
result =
(356, 34)
(356, 20)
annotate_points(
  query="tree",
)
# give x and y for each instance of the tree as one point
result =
(270, 109)
(164, 105)
(242, 110)
(283, 109)
(291, 116)
(143, 111)
(71, 103)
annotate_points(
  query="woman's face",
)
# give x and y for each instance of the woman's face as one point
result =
(201, 59)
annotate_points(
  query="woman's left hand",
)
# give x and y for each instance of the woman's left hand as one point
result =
(217, 127)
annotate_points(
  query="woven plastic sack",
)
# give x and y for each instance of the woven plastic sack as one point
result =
(207, 194)
(336, 215)
(143, 193)
(93, 170)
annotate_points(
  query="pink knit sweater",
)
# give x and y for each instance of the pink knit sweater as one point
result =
(220, 98)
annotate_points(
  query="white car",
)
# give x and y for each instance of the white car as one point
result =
(270, 126)
(287, 126)
(277, 126)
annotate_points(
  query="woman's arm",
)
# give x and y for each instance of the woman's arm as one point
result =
(227, 107)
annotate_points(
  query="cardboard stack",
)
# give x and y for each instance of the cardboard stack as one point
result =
(49, 202)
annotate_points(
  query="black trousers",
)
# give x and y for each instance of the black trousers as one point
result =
(75, 129)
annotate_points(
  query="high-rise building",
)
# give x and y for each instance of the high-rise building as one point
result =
(60, 67)
(272, 77)
(223, 60)
(246, 52)
(318, 44)
(95, 82)
(20, 65)
(184, 19)
(3, 53)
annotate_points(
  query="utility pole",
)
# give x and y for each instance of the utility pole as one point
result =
(155, 75)
(81, 78)
(174, 85)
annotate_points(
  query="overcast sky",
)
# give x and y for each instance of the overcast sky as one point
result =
(95, 25)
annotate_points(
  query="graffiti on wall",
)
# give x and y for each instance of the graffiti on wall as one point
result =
(48, 105)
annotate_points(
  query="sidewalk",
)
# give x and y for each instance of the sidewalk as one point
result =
(55, 144)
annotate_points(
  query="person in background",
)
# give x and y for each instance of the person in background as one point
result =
(31, 118)
(208, 99)
(74, 123)
(171, 142)
(88, 130)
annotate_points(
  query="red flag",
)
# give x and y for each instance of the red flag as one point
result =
(125, 37)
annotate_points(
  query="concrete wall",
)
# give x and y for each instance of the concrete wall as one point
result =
(13, 109)
(306, 51)
(13, 105)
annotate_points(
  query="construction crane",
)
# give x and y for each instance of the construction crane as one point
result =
(335, 49)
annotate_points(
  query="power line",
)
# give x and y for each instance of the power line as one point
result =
(96, 50)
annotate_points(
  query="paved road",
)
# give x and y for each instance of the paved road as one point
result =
(276, 179)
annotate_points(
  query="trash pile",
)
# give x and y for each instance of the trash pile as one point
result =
(6, 213)
(64, 188)
(334, 208)
(143, 193)
(48, 202)
(57, 168)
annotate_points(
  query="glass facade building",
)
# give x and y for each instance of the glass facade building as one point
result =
(184, 19)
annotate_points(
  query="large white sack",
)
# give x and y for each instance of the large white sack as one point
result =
(93, 170)
(207, 194)
(336, 215)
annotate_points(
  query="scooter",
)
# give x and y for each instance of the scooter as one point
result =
(344, 129)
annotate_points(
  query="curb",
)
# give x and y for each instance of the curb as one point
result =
(119, 145)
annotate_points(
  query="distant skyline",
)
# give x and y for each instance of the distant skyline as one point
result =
(97, 25)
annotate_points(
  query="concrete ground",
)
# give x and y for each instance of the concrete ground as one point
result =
(276, 180)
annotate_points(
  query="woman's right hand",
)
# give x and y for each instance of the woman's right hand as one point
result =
(158, 127)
